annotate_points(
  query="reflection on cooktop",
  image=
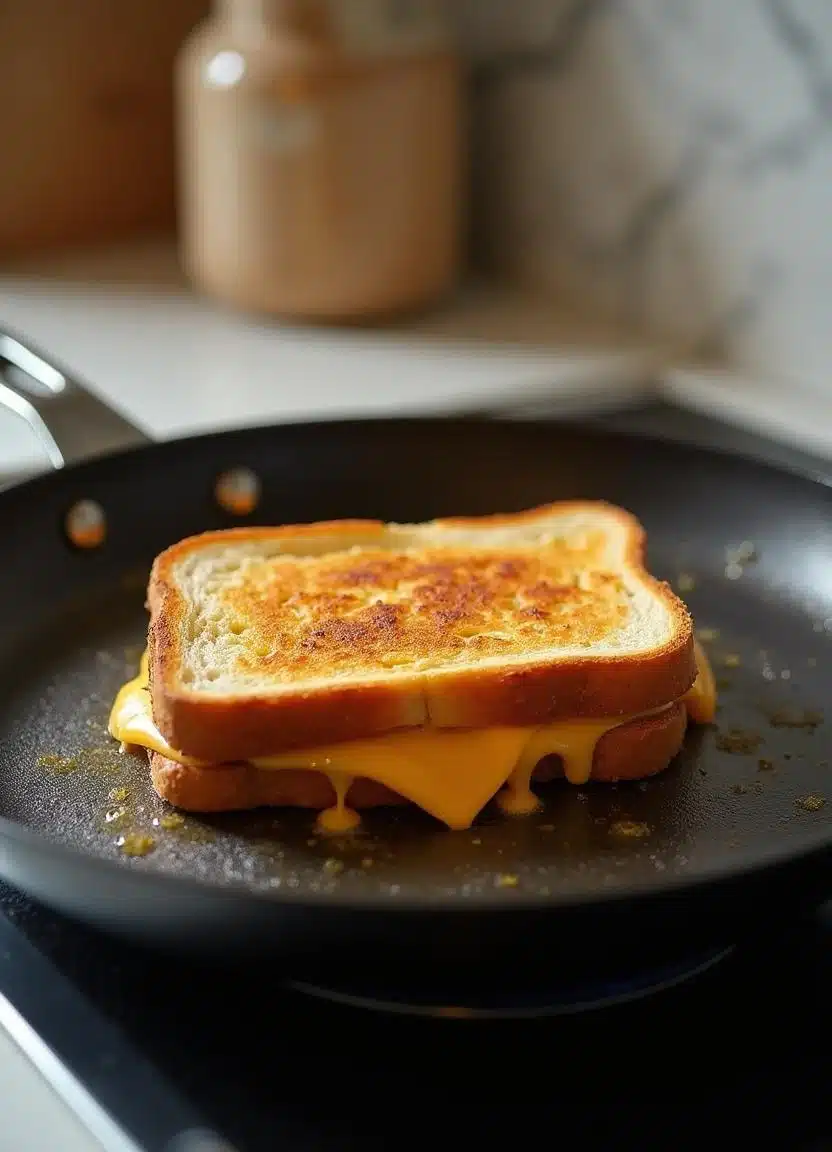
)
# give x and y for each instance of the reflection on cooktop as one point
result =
(459, 998)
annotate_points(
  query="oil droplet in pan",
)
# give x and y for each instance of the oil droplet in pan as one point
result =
(136, 844)
(171, 821)
(812, 803)
(630, 829)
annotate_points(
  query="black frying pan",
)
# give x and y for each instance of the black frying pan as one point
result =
(725, 837)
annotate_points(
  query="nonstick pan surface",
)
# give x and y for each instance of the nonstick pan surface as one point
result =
(740, 823)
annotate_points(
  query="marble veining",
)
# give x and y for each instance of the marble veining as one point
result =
(667, 163)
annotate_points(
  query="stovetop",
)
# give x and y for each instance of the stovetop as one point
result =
(173, 1047)
(188, 1057)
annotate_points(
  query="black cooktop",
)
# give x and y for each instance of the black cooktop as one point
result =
(187, 1057)
(173, 1047)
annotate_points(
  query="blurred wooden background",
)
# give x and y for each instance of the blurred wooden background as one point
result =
(86, 118)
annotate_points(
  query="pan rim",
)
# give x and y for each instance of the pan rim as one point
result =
(713, 876)
(491, 901)
(810, 474)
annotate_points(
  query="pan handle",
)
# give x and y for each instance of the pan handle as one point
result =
(70, 422)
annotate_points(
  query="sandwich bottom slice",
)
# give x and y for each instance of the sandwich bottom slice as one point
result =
(451, 774)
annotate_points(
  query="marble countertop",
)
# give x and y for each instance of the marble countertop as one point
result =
(124, 321)
(666, 163)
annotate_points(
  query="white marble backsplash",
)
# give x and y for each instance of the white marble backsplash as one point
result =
(665, 163)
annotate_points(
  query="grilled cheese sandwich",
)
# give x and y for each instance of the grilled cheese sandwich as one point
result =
(342, 665)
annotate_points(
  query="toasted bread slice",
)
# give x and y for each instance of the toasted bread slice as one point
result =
(264, 640)
(632, 751)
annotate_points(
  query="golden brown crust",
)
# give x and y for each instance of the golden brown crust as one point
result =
(218, 729)
(387, 609)
(633, 751)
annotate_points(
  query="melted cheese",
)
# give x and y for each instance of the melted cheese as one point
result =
(452, 774)
(339, 818)
(700, 698)
(131, 719)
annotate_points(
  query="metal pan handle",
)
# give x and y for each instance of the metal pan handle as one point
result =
(70, 422)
